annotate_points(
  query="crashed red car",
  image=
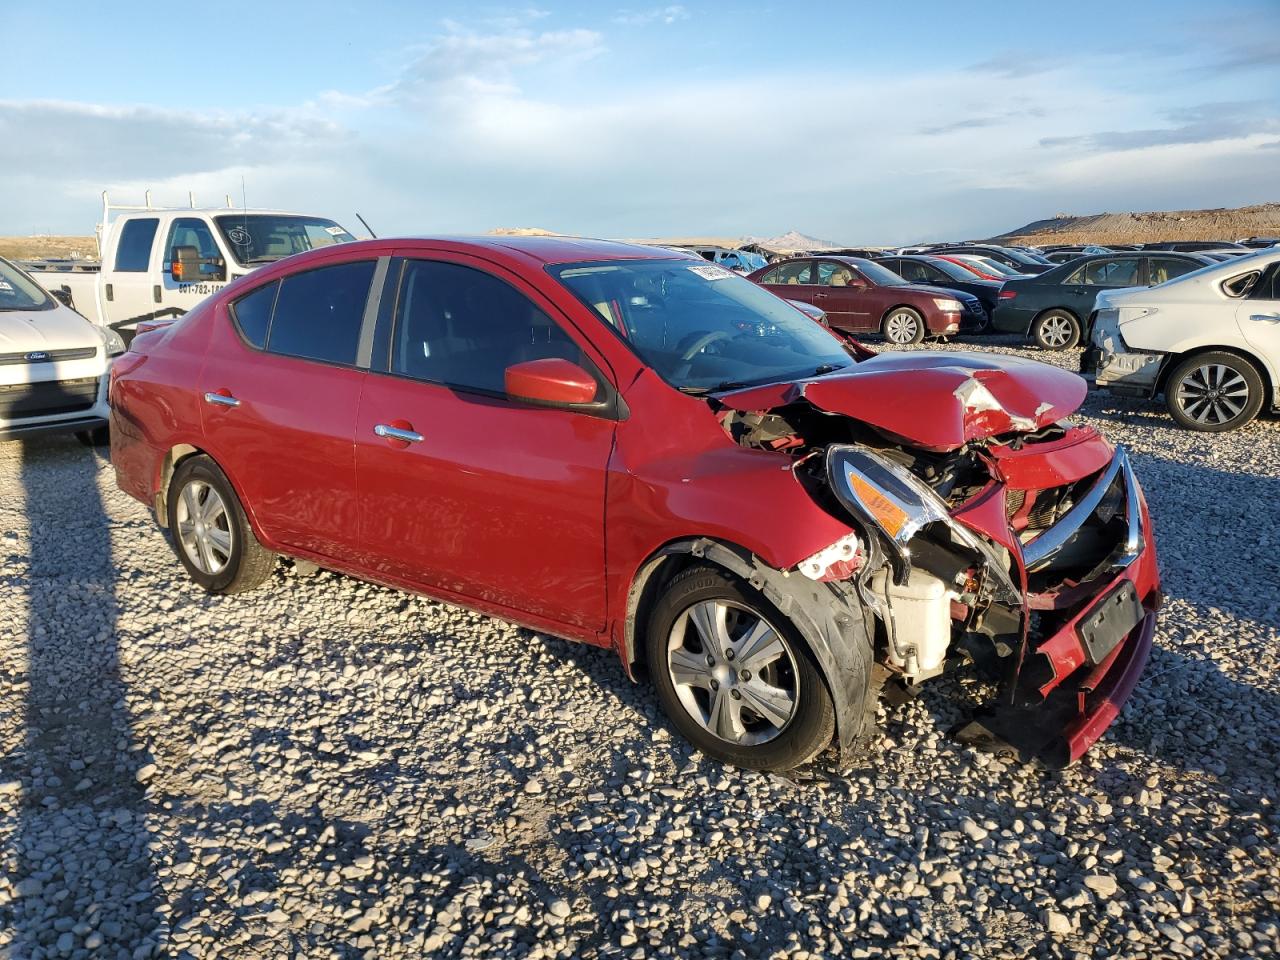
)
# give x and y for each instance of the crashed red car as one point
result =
(619, 446)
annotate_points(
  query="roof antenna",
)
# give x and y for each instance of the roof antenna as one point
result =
(366, 226)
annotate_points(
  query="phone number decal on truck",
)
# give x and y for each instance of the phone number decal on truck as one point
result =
(203, 289)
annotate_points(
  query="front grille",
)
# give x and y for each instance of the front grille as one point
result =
(49, 356)
(1013, 501)
(45, 399)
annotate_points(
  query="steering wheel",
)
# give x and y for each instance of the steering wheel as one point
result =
(702, 343)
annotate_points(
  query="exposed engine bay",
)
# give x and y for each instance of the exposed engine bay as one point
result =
(988, 549)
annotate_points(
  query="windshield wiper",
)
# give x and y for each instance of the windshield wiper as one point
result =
(829, 368)
(718, 388)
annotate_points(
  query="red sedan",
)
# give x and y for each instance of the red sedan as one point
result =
(861, 296)
(620, 446)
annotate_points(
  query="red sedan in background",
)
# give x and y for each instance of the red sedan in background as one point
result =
(621, 446)
(862, 296)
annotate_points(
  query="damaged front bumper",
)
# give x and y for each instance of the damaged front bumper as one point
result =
(1088, 623)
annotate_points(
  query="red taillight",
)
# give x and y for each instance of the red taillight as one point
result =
(1008, 294)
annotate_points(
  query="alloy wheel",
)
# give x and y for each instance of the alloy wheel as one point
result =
(901, 328)
(204, 527)
(1055, 331)
(733, 673)
(1213, 393)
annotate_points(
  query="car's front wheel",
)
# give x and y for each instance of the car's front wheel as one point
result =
(211, 533)
(902, 326)
(734, 675)
(1214, 392)
(1056, 330)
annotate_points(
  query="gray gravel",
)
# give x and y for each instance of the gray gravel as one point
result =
(329, 769)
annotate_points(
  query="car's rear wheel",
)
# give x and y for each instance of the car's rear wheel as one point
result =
(1214, 392)
(211, 533)
(1056, 330)
(902, 326)
(734, 675)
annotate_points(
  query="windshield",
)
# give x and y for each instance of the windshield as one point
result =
(20, 292)
(701, 327)
(952, 270)
(256, 238)
(879, 274)
(991, 266)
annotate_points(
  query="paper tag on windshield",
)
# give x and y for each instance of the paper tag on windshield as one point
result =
(709, 271)
(334, 231)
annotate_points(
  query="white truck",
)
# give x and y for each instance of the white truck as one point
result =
(160, 262)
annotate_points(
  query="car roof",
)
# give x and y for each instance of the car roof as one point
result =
(551, 249)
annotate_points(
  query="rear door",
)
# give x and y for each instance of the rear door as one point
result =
(1258, 316)
(490, 499)
(129, 284)
(279, 391)
(794, 280)
(839, 295)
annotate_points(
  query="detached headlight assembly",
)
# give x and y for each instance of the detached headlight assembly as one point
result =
(947, 305)
(895, 505)
(885, 496)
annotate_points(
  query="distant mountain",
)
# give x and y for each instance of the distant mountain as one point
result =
(521, 232)
(1223, 223)
(794, 240)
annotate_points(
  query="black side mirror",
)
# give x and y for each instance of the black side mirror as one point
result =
(187, 266)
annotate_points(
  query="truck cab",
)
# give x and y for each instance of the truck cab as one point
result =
(159, 263)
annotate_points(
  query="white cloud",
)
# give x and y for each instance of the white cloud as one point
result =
(515, 125)
(672, 13)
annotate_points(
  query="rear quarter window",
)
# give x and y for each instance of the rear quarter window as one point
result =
(252, 314)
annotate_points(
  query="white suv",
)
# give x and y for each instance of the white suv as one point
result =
(1208, 340)
(53, 363)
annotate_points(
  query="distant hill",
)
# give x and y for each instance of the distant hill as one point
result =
(794, 240)
(35, 248)
(1223, 223)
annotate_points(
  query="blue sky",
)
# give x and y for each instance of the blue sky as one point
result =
(855, 122)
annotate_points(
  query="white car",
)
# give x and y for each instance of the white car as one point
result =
(53, 363)
(1208, 340)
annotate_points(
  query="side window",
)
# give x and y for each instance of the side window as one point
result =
(1077, 277)
(833, 274)
(911, 270)
(933, 275)
(252, 314)
(192, 232)
(772, 276)
(318, 313)
(1112, 273)
(1166, 268)
(463, 327)
(800, 271)
(133, 251)
(1268, 288)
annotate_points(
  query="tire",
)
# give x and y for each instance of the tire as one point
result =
(902, 326)
(786, 681)
(1214, 392)
(210, 532)
(1056, 330)
(97, 437)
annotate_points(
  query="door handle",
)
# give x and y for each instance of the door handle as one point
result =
(221, 399)
(388, 432)
(820, 296)
(1269, 317)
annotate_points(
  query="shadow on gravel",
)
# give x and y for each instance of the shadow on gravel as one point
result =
(83, 880)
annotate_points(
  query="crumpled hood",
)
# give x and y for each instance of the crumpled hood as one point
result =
(937, 401)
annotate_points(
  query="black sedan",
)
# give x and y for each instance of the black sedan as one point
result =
(922, 268)
(1053, 308)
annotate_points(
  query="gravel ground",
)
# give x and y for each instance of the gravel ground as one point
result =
(328, 769)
